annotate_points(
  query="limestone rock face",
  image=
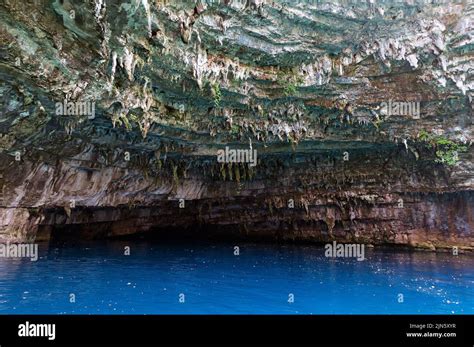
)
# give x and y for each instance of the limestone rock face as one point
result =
(112, 114)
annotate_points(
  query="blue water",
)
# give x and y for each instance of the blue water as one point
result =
(214, 280)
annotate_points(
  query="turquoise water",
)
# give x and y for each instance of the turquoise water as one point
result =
(215, 281)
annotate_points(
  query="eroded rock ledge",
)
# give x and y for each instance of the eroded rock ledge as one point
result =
(303, 83)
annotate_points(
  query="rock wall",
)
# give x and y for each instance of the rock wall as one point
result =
(322, 91)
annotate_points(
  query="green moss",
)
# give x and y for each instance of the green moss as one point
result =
(446, 151)
(377, 122)
(216, 92)
(234, 129)
(290, 88)
(122, 119)
(289, 83)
